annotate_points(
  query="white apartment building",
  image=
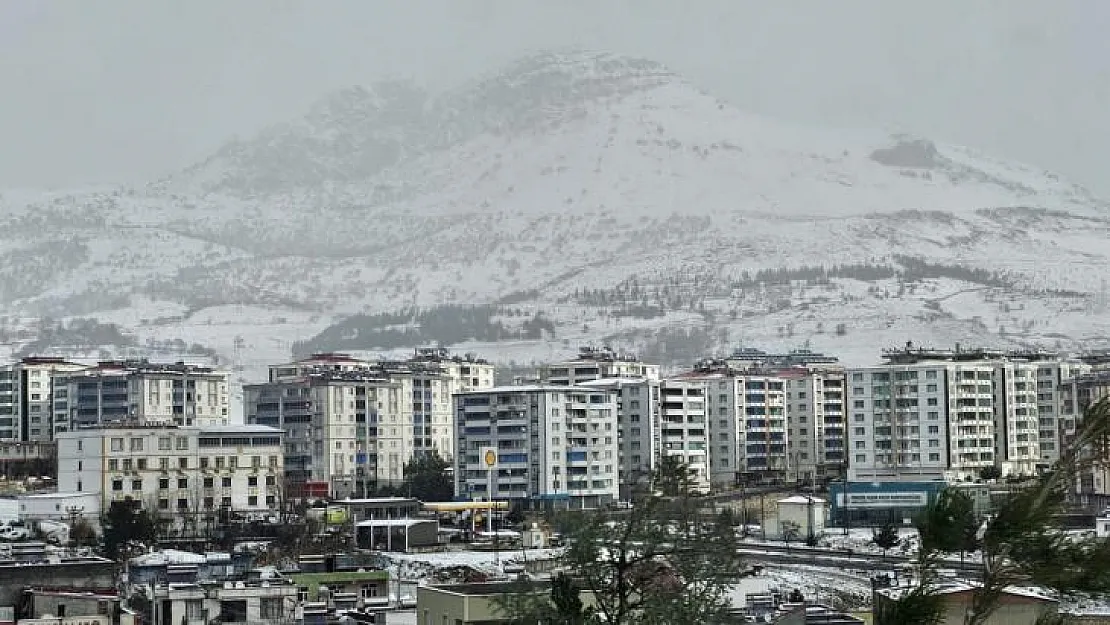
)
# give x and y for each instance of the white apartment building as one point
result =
(556, 446)
(595, 363)
(346, 431)
(139, 390)
(929, 414)
(683, 431)
(184, 473)
(638, 429)
(353, 424)
(815, 418)
(26, 397)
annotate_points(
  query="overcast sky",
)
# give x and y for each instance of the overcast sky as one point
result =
(127, 90)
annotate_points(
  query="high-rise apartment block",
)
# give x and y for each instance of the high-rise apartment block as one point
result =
(140, 391)
(555, 445)
(26, 397)
(948, 414)
(353, 424)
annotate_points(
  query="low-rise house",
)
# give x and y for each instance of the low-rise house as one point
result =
(470, 604)
(1016, 606)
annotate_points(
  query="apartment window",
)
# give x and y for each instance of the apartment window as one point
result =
(126, 464)
(163, 504)
(225, 502)
(271, 502)
(208, 482)
(271, 608)
(163, 463)
(226, 483)
(117, 485)
(252, 480)
(194, 609)
(857, 377)
(136, 444)
(117, 444)
(183, 482)
(204, 462)
(141, 462)
(931, 375)
(182, 443)
(113, 465)
(934, 457)
(80, 445)
(934, 429)
(163, 483)
(183, 463)
(136, 484)
(219, 462)
(273, 461)
(256, 462)
(252, 500)
(861, 457)
(182, 504)
(271, 480)
(163, 443)
(209, 502)
(233, 462)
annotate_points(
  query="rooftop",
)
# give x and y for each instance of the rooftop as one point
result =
(336, 577)
(484, 589)
(529, 388)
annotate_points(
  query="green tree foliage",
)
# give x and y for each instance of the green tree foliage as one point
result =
(427, 478)
(125, 522)
(886, 537)
(661, 563)
(990, 473)
(1021, 544)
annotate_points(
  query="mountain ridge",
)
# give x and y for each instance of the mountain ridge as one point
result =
(563, 172)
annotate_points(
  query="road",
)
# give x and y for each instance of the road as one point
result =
(842, 558)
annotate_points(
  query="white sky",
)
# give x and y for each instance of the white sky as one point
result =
(127, 90)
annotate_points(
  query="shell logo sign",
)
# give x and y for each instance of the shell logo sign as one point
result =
(489, 457)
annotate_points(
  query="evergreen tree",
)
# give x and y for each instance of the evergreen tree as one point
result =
(886, 537)
(125, 522)
(1022, 544)
(661, 563)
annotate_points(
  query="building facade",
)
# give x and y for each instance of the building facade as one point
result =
(353, 424)
(683, 430)
(184, 474)
(595, 363)
(26, 397)
(555, 446)
(138, 390)
(638, 430)
(949, 414)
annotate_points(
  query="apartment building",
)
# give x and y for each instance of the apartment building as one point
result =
(353, 424)
(555, 445)
(346, 432)
(1076, 394)
(928, 414)
(187, 474)
(139, 390)
(816, 420)
(638, 430)
(683, 430)
(595, 363)
(26, 397)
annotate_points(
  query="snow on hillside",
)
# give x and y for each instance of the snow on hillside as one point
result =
(551, 183)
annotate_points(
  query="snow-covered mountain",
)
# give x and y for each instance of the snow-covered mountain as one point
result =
(592, 198)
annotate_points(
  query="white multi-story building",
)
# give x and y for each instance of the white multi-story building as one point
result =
(638, 429)
(352, 425)
(27, 397)
(683, 431)
(595, 363)
(932, 414)
(185, 473)
(140, 391)
(346, 431)
(556, 446)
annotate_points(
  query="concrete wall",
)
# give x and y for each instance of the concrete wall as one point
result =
(77, 575)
